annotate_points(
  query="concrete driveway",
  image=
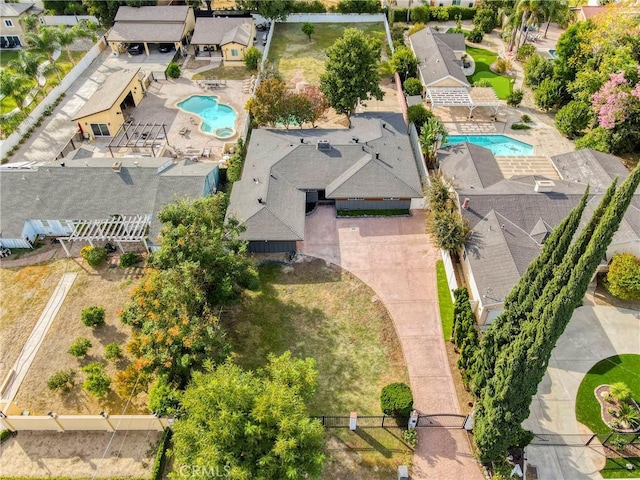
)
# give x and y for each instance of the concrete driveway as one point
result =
(593, 334)
(397, 260)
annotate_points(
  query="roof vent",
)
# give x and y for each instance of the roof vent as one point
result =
(260, 200)
(544, 186)
(323, 145)
(355, 139)
(116, 167)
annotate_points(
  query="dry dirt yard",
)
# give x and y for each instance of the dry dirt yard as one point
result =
(25, 293)
(79, 454)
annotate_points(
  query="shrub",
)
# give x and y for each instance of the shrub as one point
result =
(418, 115)
(410, 437)
(94, 256)
(440, 14)
(399, 15)
(597, 139)
(413, 86)
(396, 399)
(420, 14)
(129, 259)
(416, 28)
(173, 70)
(157, 473)
(483, 82)
(130, 381)
(620, 392)
(548, 94)
(514, 99)
(112, 351)
(573, 118)
(164, 398)
(501, 65)
(475, 35)
(93, 316)
(5, 435)
(537, 69)
(629, 416)
(520, 126)
(80, 347)
(524, 118)
(485, 20)
(62, 380)
(97, 382)
(252, 58)
(525, 52)
(623, 278)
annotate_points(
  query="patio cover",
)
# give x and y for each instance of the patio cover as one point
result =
(461, 97)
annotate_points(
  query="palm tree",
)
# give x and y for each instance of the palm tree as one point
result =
(628, 415)
(27, 63)
(45, 41)
(15, 86)
(558, 11)
(432, 135)
(66, 36)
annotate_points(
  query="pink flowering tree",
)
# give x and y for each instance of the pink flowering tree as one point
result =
(615, 100)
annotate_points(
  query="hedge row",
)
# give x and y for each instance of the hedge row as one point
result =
(424, 13)
(161, 456)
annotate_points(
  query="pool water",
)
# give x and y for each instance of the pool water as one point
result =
(500, 145)
(552, 52)
(214, 115)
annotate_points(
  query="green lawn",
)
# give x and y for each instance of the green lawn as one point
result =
(328, 314)
(616, 468)
(484, 58)
(297, 57)
(225, 73)
(444, 299)
(620, 368)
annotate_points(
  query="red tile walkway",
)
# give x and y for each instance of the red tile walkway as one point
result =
(396, 258)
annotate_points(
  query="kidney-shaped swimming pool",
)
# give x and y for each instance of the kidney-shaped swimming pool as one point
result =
(215, 115)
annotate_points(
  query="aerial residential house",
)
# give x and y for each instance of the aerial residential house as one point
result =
(287, 173)
(110, 105)
(12, 31)
(229, 37)
(440, 67)
(151, 26)
(95, 199)
(510, 219)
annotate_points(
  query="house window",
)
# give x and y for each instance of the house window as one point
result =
(390, 198)
(100, 129)
(355, 198)
(45, 224)
(8, 23)
(234, 52)
(470, 4)
(455, 2)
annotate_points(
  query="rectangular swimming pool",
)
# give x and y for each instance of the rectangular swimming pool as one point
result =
(500, 145)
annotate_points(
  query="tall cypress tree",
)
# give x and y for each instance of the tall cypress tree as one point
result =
(520, 366)
(520, 300)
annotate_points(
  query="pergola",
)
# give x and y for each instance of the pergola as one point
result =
(461, 97)
(118, 229)
(139, 135)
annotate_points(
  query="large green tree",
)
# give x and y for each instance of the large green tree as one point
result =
(351, 75)
(250, 425)
(45, 41)
(275, 10)
(404, 63)
(521, 365)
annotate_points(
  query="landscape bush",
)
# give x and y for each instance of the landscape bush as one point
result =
(623, 278)
(164, 398)
(483, 82)
(420, 14)
(80, 347)
(419, 115)
(157, 473)
(396, 399)
(413, 86)
(93, 316)
(112, 351)
(252, 58)
(501, 65)
(520, 126)
(597, 139)
(620, 392)
(5, 435)
(475, 35)
(416, 28)
(524, 118)
(97, 382)
(129, 259)
(94, 256)
(525, 52)
(410, 437)
(62, 380)
(573, 118)
(173, 70)
(537, 69)
(548, 95)
(485, 20)
(309, 7)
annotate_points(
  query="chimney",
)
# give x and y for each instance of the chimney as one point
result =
(116, 167)
(544, 186)
(323, 145)
(465, 204)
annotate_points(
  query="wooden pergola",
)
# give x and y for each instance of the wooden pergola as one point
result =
(118, 229)
(461, 97)
(139, 135)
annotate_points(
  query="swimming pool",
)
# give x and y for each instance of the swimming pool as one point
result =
(500, 145)
(215, 116)
(552, 52)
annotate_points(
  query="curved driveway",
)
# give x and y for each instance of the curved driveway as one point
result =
(397, 260)
(593, 334)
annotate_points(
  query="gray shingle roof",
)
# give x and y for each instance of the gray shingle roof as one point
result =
(93, 192)
(470, 165)
(146, 32)
(107, 94)
(17, 9)
(509, 220)
(436, 59)
(455, 41)
(222, 30)
(278, 167)
(153, 14)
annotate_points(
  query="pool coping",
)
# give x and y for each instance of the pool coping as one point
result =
(200, 120)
